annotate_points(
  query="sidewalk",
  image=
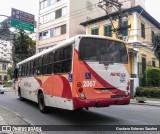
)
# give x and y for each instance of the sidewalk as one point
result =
(149, 101)
(9, 118)
(9, 89)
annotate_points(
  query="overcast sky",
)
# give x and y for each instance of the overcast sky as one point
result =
(31, 6)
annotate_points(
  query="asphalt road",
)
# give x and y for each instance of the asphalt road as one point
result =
(113, 115)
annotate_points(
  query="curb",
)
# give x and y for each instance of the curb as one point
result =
(148, 104)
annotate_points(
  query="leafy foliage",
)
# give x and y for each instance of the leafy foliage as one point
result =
(153, 77)
(156, 45)
(10, 71)
(7, 84)
(5, 33)
(24, 47)
(149, 92)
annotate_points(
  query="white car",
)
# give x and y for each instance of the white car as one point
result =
(1, 89)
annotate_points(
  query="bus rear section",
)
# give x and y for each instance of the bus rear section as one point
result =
(100, 71)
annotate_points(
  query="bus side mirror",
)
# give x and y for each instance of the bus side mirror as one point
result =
(16, 73)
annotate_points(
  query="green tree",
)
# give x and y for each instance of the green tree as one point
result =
(156, 45)
(24, 47)
(10, 72)
(5, 33)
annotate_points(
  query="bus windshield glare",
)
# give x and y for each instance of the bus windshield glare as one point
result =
(102, 50)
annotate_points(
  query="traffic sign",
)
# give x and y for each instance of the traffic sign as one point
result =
(23, 16)
(22, 25)
(22, 20)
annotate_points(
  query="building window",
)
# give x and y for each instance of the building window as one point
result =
(47, 3)
(152, 34)
(108, 30)
(4, 67)
(53, 15)
(63, 29)
(95, 31)
(46, 34)
(143, 30)
(41, 5)
(58, 31)
(153, 63)
(41, 20)
(45, 19)
(125, 28)
(5, 77)
(58, 13)
(52, 1)
(52, 32)
(64, 11)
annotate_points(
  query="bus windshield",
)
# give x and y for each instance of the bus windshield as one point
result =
(102, 50)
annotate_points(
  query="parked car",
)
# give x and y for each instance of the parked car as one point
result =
(10, 81)
(1, 88)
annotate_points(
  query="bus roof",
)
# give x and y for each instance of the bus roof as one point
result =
(62, 44)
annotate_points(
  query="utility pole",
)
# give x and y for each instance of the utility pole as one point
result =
(118, 5)
(21, 43)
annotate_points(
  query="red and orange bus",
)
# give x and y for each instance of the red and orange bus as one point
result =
(81, 72)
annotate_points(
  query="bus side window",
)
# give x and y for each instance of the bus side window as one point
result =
(38, 66)
(22, 72)
(47, 64)
(16, 73)
(57, 61)
(66, 63)
(28, 69)
(63, 60)
(19, 74)
(31, 67)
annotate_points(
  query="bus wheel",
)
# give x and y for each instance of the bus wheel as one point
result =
(41, 103)
(19, 94)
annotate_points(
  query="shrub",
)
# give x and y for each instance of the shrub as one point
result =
(153, 77)
(149, 92)
(7, 84)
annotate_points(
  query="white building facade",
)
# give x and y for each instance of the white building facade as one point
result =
(6, 50)
(60, 19)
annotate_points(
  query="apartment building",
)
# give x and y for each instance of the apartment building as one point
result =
(139, 38)
(60, 19)
(3, 69)
(6, 50)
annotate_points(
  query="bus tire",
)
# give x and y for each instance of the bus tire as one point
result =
(19, 94)
(41, 103)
